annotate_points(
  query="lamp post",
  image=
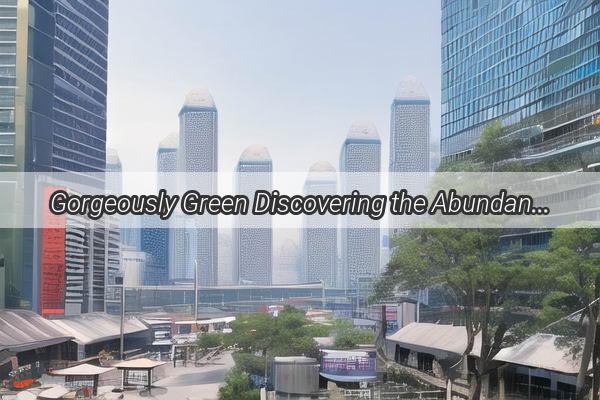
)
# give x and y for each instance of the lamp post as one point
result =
(195, 291)
(121, 281)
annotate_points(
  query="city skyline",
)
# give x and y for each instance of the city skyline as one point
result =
(256, 106)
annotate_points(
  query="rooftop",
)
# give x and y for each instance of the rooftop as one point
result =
(171, 141)
(22, 330)
(321, 166)
(255, 152)
(295, 360)
(84, 327)
(199, 98)
(410, 88)
(112, 157)
(363, 130)
(437, 339)
(543, 351)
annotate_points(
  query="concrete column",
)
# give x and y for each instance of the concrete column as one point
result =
(501, 384)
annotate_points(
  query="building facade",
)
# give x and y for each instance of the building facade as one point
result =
(409, 128)
(532, 65)
(166, 167)
(252, 235)
(319, 233)
(409, 142)
(286, 262)
(360, 165)
(53, 79)
(198, 158)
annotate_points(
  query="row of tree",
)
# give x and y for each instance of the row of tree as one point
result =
(488, 283)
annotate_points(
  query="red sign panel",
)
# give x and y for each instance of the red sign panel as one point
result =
(52, 279)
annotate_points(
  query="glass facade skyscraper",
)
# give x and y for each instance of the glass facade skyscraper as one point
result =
(360, 163)
(253, 236)
(533, 65)
(53, 74)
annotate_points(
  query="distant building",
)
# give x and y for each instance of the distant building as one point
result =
(131, 231)
(286, 265)
(319, 233)
(360, 164)
(409, 141)
(157, 240)
(198, 158)
(253, 238)
(409, 128)
(114, 170)
(167, 163)
(226, 258)
(134, 266)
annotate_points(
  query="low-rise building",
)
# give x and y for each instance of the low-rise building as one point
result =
(96, 332)
(30, 342)
(542, 366)
(434, 353)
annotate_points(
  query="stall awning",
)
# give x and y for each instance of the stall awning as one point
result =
(140, 363)
(22, 330)
(82, 370)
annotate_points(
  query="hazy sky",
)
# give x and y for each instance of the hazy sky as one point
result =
(291, 75)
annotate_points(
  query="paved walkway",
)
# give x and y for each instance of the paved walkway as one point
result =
(189, 383)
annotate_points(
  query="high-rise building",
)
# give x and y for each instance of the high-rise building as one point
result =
(131, 228)
(532, 65)
(166, 167)
(226, 273)
(198, 158)
(114, 170)
(409, 141)
(52, 118)
(409, 128)
(157, 240)
(360, 165)
(319, 233)
(286, 262)
(253, 236)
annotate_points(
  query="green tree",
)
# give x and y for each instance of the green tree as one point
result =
(250, 363)
(207, 341)
(493, 146)
(572, 273)
(238, 387)
(351, 338)
(494, 151)
(468, 262)
(261, 334)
